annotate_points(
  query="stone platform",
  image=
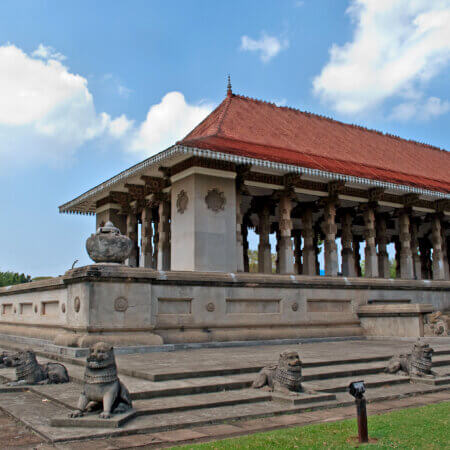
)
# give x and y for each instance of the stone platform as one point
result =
(193, 388)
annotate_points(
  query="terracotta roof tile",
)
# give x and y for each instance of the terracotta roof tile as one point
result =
(257, 129)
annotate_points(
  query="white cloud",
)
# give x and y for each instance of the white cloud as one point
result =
(47, 52)
(46, 112)
(267, 46)
(423, 110)
(397, 47)
(166, 122)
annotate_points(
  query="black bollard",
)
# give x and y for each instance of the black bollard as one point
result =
(357, 389)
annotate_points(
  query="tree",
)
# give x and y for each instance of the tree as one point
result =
(10, 278)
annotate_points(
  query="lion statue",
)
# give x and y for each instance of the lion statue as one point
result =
(29, 371)
(416, 364)
(8, 359)
(284, 377)
(102, 388)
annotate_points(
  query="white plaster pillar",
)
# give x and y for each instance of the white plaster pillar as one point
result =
(309, 255)
(286, 252)
(370, 252)
(146, 259)
(132, 233)
(164, 235)
(415, 251)
(264, 253)
(406, 260)
(329, 228)
(348, 261)
(384, 270)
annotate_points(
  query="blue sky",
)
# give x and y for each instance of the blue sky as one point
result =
(89, 88)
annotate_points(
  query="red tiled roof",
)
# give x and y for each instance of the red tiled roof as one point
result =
(261, 130)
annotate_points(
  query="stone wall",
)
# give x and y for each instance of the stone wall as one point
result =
(129, 306)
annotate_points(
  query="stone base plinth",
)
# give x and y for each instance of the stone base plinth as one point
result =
(136, 306)
(401, 320)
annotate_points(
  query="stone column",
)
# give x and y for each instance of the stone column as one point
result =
(370, 252)
(155, 214)
(329, 229)
(357, 255)
(264, 253)
(317, 251)
(298, 266)
(425, 258)
(239, 241)
(164, 235)
(132, 233)
(147, 238)
(309, 256)
(438, 257)
(397, 246)
(415, 251)
(245, 247)
(444, 253)
(348, 260)
(286, 253)
(384, 269)
(406, 261)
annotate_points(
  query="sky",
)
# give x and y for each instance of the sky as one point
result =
(88, 89)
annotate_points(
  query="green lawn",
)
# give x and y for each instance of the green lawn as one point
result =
(427, 427)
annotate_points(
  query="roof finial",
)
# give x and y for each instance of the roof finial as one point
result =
(229, 91)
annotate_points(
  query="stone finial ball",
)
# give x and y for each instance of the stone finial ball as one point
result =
(107, 245)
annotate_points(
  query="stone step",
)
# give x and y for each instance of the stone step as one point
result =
(371, 381)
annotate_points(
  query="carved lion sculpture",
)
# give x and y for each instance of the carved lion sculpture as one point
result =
(102, 388)
(436, 324)
(8, 359)
(29, 371)
(284, 377)
(416, 364)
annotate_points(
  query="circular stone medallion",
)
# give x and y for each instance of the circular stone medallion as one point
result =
(215, 200)
(121, 304)
(294, 306)
(210, 307)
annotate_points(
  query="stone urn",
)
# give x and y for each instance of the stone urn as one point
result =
(108, 245)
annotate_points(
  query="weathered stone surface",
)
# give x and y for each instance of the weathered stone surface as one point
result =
(102, 388)
(436, 324)
(285, 377)
(108, 245)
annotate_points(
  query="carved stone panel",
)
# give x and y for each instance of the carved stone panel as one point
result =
(215, 200)
(182, 201)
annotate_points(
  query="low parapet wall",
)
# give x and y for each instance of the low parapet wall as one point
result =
(130, 306)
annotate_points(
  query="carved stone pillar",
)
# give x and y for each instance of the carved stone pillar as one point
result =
(245, 246)
(264, 253)
(436, 239)
(132, 233)
(317, 251)
(329, 229)
(357, 255)
(370, 252)
(406, 260)
(445, 253)
(425, 257)
(384, 270)
(298, 266)
(397, 246)
(155, 214)
(239, 241)
(415, 251)
(286, 253)
(309, 257)
(146, 238)
(164, 235)
(348, 260)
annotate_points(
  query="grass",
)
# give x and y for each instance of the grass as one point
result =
(427, 427)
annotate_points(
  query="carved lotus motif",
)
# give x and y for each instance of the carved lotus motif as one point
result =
(108, 245)
(215, 200)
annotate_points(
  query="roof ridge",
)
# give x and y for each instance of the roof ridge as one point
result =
(351, 125)
(311, 155)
